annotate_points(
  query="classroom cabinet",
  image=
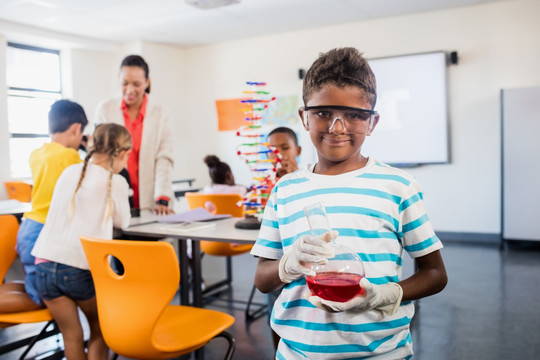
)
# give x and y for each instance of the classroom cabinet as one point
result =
(520, 109)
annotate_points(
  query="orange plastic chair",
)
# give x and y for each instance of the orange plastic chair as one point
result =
(224, 204)
(8, 238)
(18, 190)
(136, 318)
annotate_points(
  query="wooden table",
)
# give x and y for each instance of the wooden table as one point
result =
(221, 230)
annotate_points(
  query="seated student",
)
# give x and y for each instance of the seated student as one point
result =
(222, 181)
(222, 178)
(67, 121)
(88, 200)
(285, 141)
(377, 210)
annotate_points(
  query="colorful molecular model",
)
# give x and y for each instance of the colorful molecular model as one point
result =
(254, 151)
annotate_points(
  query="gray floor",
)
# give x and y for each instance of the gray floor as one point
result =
(487, 311)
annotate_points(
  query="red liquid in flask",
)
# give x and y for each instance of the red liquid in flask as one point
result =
(335, 286)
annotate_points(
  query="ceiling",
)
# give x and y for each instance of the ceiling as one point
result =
(176, 22)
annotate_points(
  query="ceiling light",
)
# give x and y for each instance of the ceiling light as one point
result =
(210, 4)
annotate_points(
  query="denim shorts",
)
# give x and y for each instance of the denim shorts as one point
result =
(54, 280)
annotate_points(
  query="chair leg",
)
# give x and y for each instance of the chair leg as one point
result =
(258, 312)
(42, 334)
(29, 341)
(232, 346)
(229, 270)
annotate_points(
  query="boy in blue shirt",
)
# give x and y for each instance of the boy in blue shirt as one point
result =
(375, 209)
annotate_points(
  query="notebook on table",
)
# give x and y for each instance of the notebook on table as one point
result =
(196, 215)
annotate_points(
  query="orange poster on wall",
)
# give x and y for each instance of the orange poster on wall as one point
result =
(230, 114)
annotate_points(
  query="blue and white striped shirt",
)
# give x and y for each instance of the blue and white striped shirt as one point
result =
(378, 212)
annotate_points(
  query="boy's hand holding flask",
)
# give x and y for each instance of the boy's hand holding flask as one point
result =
(384, 298)
(308, 249)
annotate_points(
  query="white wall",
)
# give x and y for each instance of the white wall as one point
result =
(168, 88)
(93, 79)
(498, 49)
(496, 43)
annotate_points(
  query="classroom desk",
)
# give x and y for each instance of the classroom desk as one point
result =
(180, 187)
(181, 181)
(222, 231)
(14, 207)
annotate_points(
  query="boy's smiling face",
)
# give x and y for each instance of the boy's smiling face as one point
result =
(338, 151)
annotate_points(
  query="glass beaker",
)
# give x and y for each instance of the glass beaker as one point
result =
(339, 279)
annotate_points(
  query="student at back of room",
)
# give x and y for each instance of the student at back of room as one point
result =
(222, 178)
(283, 139)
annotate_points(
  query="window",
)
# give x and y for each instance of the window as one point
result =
(34, 84)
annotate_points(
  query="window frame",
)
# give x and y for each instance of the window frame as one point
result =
(21, 92)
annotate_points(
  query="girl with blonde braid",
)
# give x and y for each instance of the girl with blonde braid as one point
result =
(88, 199)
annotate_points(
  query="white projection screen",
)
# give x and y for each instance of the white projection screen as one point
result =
(412, 103)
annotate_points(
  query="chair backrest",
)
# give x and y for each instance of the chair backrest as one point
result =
(19, 190)
(8, 238)
(130, 304)
(217, 203)
(223, 204)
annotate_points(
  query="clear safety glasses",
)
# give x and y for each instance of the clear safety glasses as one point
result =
(325, 118)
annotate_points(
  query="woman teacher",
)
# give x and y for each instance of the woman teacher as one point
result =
(151, 160)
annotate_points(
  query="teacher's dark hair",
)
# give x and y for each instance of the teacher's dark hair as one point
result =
(136, 60)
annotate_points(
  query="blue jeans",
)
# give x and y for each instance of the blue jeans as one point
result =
(26, 238)
(55, 280)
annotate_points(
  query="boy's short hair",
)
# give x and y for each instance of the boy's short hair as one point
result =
(65, 113)
(285, 130)
(340, 67)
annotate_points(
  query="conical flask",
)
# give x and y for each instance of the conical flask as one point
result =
(339, 279)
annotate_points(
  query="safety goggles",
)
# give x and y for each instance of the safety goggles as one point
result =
(324, 118)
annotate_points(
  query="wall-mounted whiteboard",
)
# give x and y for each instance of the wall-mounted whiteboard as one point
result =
(412, 103)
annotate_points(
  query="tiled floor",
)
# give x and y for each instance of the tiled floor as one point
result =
(488, 310)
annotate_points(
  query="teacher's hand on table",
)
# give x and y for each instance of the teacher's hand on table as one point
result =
(162, 210)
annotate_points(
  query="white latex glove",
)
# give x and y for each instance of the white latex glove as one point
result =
(384, 298)
(307, 250)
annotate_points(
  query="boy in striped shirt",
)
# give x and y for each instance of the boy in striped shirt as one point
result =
(376, 210)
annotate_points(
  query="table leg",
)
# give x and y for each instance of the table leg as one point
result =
(197, 276)
(197, 281)
(184, 272)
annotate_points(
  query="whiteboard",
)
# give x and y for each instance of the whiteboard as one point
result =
(412, 103)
